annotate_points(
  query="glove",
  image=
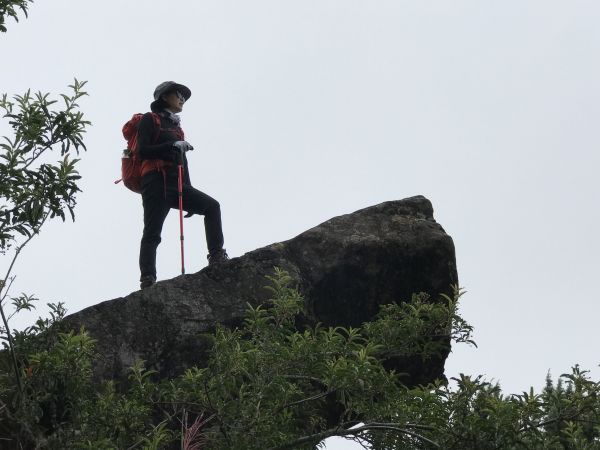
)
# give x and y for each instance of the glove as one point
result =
(182, 146)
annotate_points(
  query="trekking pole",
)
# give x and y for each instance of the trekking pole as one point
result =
(180, 190)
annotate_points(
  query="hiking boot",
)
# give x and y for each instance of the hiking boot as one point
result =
(146, 281)
(217, 257)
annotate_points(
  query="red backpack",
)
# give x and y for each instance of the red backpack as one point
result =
(131, 165)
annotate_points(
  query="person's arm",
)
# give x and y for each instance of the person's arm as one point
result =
(147, 149)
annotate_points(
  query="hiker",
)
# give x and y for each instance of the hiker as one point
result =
(160, 150)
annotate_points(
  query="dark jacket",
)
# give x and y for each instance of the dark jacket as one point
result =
(158, 154)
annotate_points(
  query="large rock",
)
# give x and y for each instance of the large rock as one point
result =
(344, 267)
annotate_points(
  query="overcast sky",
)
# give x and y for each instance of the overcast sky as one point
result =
(304, 110)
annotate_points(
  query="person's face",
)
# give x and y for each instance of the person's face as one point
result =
(175, 101)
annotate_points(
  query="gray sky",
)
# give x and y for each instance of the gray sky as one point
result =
(302, 111)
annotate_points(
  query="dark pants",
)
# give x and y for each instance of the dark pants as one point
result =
(158, 199)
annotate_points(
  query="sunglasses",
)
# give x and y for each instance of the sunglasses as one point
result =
(180, 96)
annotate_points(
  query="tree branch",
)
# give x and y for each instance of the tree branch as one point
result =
(355, 431)
(305, 378)
(12, 279)
(4, 319)
(572, 417)
(305, 400)
(40, 151)
(18, 251)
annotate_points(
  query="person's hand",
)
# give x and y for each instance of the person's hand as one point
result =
(182, 146)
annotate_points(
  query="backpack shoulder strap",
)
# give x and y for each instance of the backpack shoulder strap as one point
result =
(157, 128)
(155, 118)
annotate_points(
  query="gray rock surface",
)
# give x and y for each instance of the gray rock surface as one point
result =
(345, 268)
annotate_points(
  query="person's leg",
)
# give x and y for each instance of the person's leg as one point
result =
(156, 209)
(197, 202)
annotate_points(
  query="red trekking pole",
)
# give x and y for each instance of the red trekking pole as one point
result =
(180, 190)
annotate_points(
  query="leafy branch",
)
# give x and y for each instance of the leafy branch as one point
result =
(10, 8)
(33, 187)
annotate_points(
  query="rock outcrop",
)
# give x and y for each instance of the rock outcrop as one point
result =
(346, 267)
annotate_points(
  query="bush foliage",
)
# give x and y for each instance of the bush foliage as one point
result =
(270, 385)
